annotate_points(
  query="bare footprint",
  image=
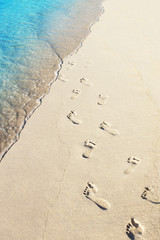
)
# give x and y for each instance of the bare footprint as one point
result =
(133, 163)
(70, 64)
(100, 202)
(134, 229)
(148, 194)
(85, 82)
(107, 127)
(90, 148)
(102, 99)
(76, 93)
(145, 192)
(72, 116)
(62, 78)
(90, 143)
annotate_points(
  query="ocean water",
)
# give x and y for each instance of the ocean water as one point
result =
(35, 35)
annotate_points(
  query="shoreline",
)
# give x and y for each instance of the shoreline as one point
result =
(44, 176)
(56, 74)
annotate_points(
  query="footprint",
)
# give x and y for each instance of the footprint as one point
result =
(134, 229)
(85, 82)
(107, 127)
(76, 92)
(100, 202)
(102, 99)
(148, 194)
(72, 116)
(62, 78)
(70, 64)
(91, 146)
(89, 143)
(145, 192)
(133, 163)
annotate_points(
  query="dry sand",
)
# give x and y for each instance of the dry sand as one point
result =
(44, 175)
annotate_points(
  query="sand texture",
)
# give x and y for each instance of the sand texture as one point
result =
(87, 163)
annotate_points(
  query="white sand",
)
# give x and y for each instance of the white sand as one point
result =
(44, 175)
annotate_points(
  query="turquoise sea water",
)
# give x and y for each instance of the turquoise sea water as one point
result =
(35, 35)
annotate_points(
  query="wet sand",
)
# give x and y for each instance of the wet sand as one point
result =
(89, 151)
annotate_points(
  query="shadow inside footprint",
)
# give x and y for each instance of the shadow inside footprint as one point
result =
(101, 207)
(88, 153)
(100, 202)
(154, 202)
(130, 235)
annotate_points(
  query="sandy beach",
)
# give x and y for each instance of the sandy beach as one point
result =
(86, 165)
